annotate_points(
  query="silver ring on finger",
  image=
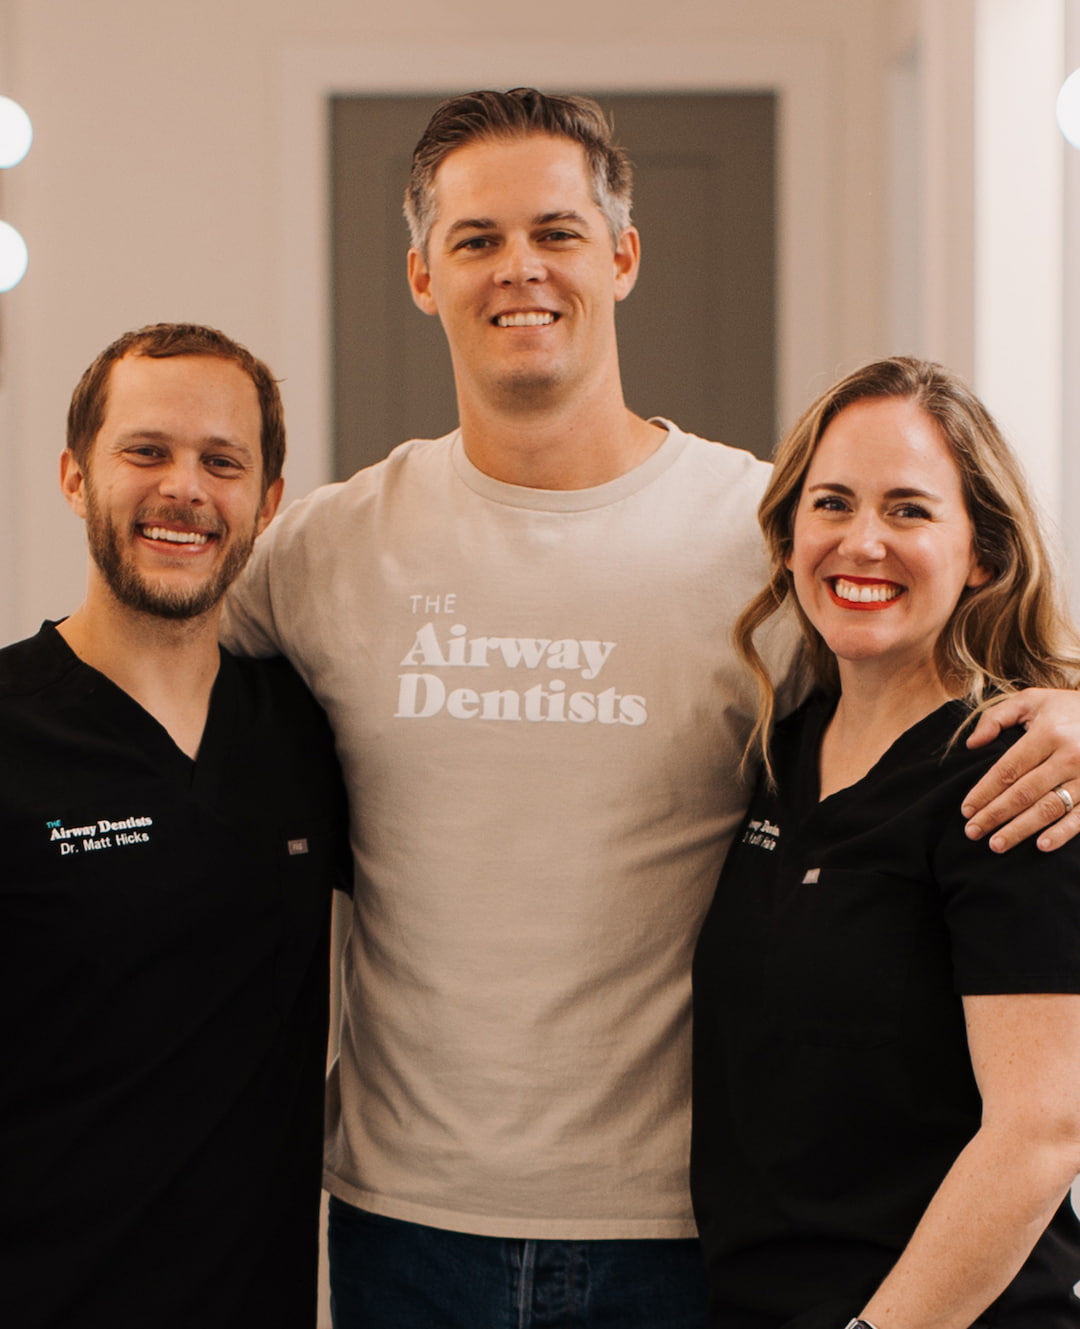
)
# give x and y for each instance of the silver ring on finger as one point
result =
(1066, 799)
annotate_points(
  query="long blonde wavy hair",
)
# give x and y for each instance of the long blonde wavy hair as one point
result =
(1009, 633)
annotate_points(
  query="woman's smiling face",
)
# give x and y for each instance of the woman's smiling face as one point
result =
(882, 543)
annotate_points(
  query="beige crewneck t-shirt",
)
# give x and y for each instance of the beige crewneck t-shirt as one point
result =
(540, 715)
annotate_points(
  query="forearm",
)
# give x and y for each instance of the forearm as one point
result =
(978, 1230)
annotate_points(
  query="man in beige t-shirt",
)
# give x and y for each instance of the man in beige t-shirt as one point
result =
(521, 633)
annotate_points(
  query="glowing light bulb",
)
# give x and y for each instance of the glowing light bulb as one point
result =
(13, 257)
(16, 132)
(1068, 108)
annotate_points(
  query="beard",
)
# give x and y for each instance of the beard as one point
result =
(134, 590)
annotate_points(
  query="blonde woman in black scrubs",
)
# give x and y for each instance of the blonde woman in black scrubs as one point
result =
(887, 1018)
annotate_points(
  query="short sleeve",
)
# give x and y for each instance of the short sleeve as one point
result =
(1013, 919)
(247, 624)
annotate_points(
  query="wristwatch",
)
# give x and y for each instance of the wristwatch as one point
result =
(859, 1324)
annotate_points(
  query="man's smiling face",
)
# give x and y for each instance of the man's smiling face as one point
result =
(172, 491)
(522, 271)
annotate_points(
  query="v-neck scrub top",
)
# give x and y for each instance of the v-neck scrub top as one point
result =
(163, 998)
(833, 1087)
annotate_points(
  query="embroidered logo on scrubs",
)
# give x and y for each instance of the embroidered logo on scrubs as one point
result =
(98, 835)
(762, 833)
(297, 847)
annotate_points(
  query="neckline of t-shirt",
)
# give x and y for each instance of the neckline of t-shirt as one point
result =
(572, 500)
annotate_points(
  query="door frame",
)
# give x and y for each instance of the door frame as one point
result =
(801, 71)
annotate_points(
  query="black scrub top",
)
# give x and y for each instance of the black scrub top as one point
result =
(163, 998)
(832, 1082)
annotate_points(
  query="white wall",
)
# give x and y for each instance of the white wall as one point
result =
(1071, 330)
(177, 164)
(1020, 230)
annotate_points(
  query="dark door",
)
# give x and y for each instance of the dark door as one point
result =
(697, 337)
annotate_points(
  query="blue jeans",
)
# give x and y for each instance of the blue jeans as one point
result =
(386, 1274)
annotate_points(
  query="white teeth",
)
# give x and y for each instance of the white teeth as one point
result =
(175, 537)
(530, 320)
(847, 590)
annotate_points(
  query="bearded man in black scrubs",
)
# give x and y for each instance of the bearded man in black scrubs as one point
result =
(173, 825)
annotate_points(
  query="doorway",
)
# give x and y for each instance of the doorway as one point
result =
(698, 335)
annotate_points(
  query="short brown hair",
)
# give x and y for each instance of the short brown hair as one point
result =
(160, 341)
(1008, 633)
(519, 113)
